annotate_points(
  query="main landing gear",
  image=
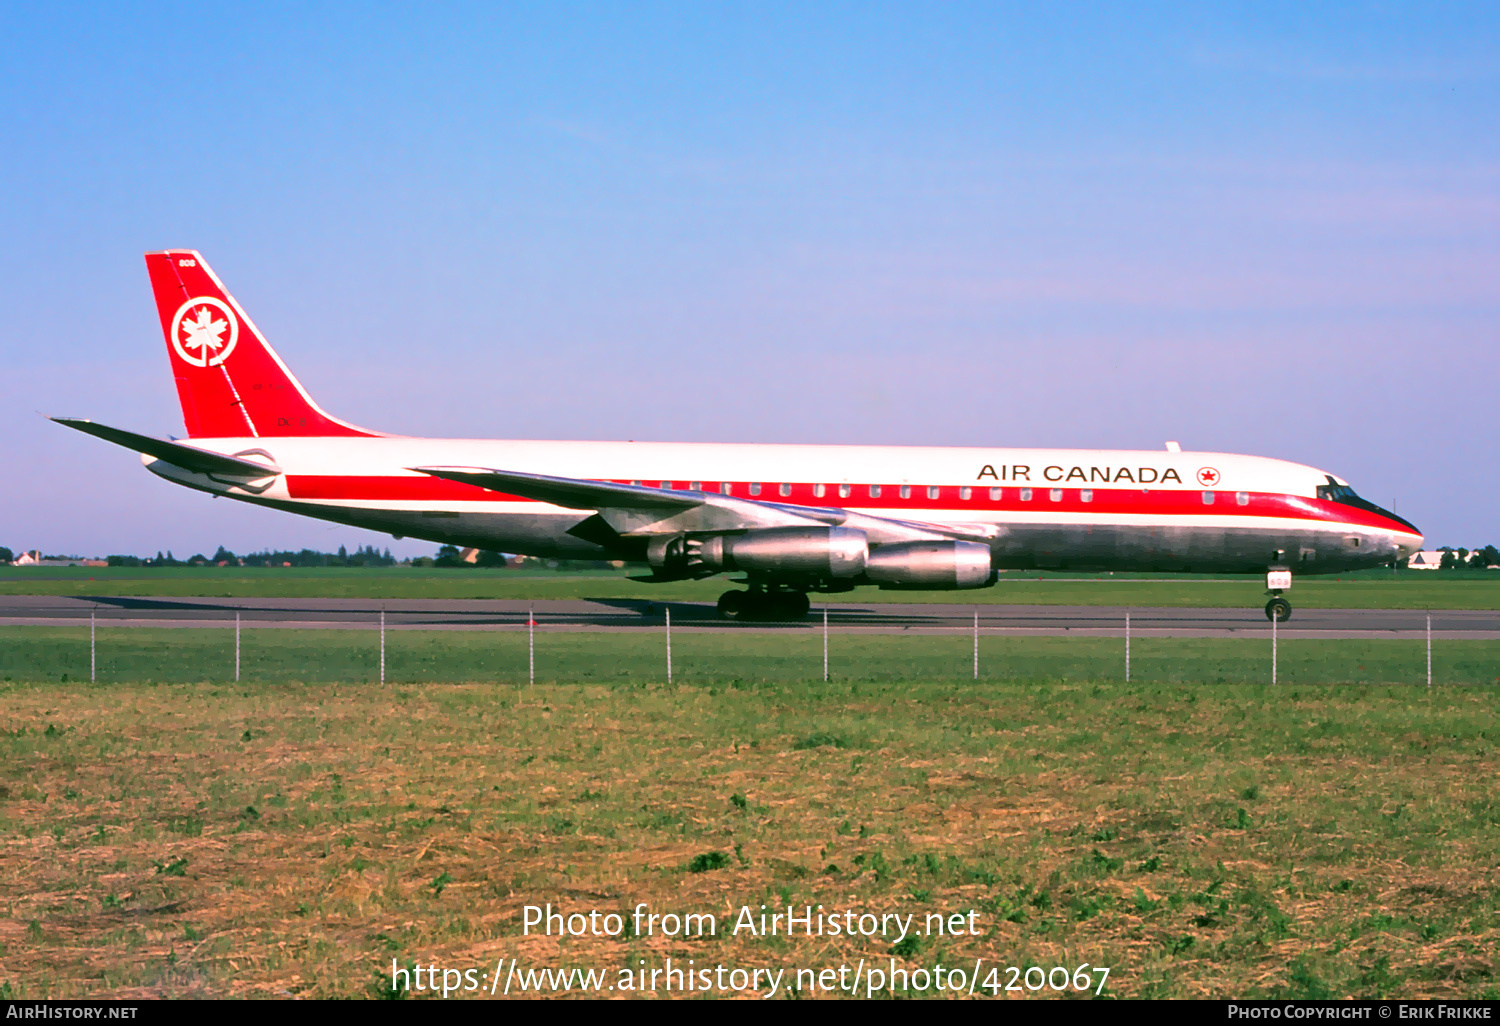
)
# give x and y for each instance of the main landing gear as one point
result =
(763, 604)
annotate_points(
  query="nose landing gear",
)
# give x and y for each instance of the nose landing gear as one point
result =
(1278, 609)
(763, 604)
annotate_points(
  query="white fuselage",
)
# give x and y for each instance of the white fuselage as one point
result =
(1049, 507)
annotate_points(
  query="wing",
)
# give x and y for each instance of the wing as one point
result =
(636, 510)
(632, 509)
(187, 457)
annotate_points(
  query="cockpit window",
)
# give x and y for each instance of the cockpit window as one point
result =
(1335, 492)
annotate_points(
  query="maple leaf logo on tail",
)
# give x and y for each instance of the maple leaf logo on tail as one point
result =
(203, 333)
(200, 324)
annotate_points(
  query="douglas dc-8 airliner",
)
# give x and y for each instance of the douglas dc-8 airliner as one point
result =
(792, 518)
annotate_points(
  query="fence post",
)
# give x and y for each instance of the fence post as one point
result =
(669, 644)
(976, 642)
(1429, 650)
(825, 643)
(236, 646)
(1273, 648)
(382, 644)
(531, 644)
(1127, 646)
(92, 661)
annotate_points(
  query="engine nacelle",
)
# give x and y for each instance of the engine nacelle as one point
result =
(821, 552)
(934, 564)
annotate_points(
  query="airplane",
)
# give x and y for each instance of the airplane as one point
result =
(792, 519)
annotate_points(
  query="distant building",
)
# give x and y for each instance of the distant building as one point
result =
(35, 558)
(1433, 560)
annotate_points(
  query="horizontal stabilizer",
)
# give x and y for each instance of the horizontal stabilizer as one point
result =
(187, 457)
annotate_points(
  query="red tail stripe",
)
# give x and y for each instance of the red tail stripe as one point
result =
(229, 380)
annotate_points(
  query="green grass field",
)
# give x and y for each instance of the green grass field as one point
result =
(1377, 589)
(1200, 839)
(271, 655)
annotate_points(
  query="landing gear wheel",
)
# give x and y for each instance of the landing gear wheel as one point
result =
(793, 605)
(1279, 609)
(763, 605)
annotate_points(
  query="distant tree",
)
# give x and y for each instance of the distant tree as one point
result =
(123, 560)
(1450, 559)
(487, 557)
(224, 556)
(449, 555)
(1481, 558)
(6, 556)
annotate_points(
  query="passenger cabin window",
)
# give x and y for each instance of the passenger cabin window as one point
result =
(906, 491)
(818, 490)
(874, 491)
(1086, 495)
(1243, 498)
(696, 486)
(844, 491)
(636, 483)
(1056, 495)
(994, 495)
(933, 491)
(785, 489)
(754, 487)
(966, 493)
(1025, 494)
(1208, 498)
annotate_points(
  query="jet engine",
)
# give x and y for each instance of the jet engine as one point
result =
(931, 564)
(818, 552)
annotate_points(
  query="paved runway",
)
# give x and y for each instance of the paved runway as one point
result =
(644, 614)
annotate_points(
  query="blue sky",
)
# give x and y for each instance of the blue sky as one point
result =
(1261, 228)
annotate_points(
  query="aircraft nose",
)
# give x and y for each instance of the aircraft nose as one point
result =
(1408, 543)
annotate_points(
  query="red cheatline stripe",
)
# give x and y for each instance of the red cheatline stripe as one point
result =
(1106, 501)
(390, 489)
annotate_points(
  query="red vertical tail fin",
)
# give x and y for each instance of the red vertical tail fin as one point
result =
(230, 381)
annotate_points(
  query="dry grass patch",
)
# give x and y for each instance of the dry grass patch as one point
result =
(294, 839)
